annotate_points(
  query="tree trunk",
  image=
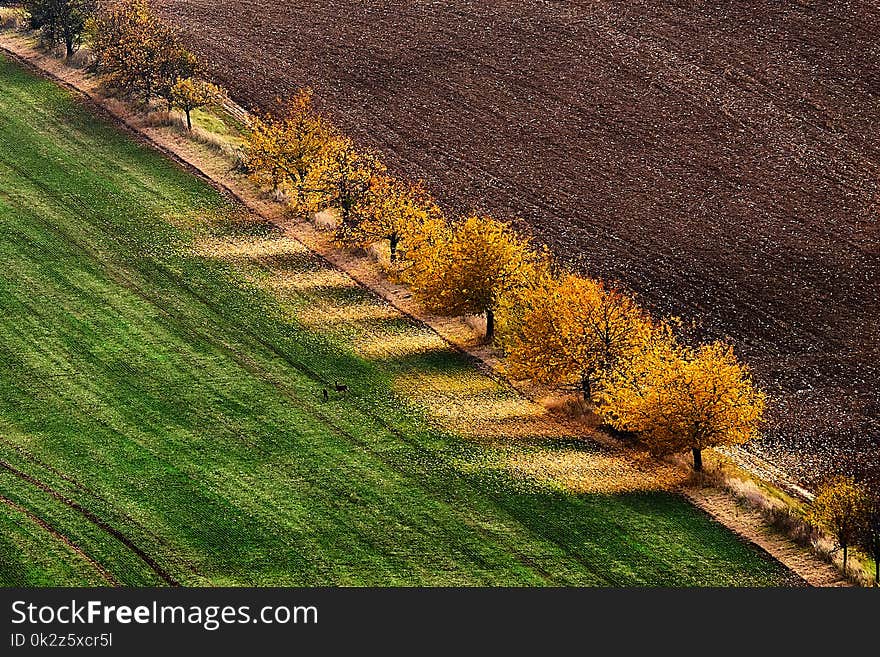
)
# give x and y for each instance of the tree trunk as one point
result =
(68, 43)
(345, 212)
(845, 549)
(300, 189)
(876, 568)
(490, 325)
(393, 241)
(189, 123)
(587, 387)
(698, 458)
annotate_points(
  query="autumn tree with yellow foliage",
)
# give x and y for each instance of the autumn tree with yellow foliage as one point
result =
(173, 63)
(573, 331)
(842, 507)
(678, 398)
(422, 243)
(264, 148)
(284, 146)
(870, 535)
(393, 211)
(343, 178)
(188, 94)
(471, 268)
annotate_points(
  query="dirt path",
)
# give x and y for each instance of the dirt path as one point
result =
(503, 415)
(749, 524)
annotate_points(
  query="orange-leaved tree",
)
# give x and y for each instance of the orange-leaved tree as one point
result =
(191, 93)
(572, 331)
(678, 398)
(264, 152)
(343, 178)
(393, 210)
(842, 507)
(285, 145)
(472, 267)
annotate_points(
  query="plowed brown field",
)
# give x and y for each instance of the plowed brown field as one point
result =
(722, 159)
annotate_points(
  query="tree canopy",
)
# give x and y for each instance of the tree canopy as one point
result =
(678, 398)
(60, 21)
(393, 210)
(138, 52)
(189, 94)
(472, 267)
(285, 145)
(574, 330)
(343, 177)
(842, 507)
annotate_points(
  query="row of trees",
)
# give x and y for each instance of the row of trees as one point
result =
(851, 512)
(139, 54)
(555, 327)
(142, 56)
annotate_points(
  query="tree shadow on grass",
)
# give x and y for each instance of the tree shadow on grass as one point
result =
(648, 538)
(291, 261)
(443, 359)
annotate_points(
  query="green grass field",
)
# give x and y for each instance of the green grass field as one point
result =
(161, 420)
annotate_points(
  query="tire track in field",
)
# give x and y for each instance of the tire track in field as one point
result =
(32, 458)
(105, 574)
(95, 520)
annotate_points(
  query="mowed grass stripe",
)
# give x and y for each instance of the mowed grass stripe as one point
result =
(173, 398)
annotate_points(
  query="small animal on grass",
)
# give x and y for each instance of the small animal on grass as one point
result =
(326, 394)
(340, 387)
